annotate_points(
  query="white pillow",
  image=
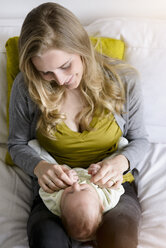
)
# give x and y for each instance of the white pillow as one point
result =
(8, 28)
(145, 41)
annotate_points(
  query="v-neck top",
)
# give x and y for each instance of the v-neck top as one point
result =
(80, 149)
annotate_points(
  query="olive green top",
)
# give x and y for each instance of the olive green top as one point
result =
(78, 149)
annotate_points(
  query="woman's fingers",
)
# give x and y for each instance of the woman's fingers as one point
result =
(93, 169)
(57, 178)
(109, 175)
(117, 184)
(52, 177)
(109, 180)
(104, 171)
(62, 176)
(55, 183)
(114, 183)
(46, 188)
(72, 175)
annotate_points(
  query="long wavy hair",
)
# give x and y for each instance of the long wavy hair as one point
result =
(51, 26)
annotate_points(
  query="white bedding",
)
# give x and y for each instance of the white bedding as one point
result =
(152, 196)
(16, 198)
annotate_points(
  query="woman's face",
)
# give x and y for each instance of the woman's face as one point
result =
(65, 68)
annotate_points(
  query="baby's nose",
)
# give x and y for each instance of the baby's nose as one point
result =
(76, 186)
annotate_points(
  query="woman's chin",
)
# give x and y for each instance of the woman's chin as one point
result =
(72, 86)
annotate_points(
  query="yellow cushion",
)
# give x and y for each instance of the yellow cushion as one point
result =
(128, 177)
(12, 66)
(108, 46)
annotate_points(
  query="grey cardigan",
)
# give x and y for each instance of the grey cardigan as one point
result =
(24, 113)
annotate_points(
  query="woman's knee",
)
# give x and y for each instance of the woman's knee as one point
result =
(45, 230)
(47, 234)
(118, 231)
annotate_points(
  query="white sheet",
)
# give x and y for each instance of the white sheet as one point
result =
(152, 196)
(16, 198)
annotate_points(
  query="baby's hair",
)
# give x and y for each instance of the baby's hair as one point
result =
(82, 225)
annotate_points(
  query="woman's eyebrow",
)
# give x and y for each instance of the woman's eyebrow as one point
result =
(59, 66)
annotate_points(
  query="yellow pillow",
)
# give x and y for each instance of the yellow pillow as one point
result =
(108, 46)
(12, 67)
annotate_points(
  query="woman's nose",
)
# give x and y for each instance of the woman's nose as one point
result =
(59, 77)
(76, 186)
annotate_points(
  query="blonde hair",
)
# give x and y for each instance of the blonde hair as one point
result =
(51, 26)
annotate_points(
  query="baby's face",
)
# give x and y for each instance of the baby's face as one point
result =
(78, 194)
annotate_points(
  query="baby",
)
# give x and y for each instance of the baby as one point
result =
(82, 204)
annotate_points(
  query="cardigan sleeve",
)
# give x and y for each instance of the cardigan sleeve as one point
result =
(23, 114)
(134, 129)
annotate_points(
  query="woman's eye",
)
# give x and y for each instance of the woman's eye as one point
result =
(46, 73)
(66, 66)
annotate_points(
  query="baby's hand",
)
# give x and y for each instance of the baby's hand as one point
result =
(93, 169)
(72, 174)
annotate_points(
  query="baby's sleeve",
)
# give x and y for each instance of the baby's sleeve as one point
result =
(111, 197)
(52, 200)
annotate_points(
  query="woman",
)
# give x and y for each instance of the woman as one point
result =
(78, 104)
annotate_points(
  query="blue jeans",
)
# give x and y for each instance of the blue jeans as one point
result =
(119, 228)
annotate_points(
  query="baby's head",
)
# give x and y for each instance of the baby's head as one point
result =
(81, 211)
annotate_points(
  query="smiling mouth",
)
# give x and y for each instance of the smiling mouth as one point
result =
(69, 81)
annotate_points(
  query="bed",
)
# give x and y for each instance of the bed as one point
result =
(145, 49)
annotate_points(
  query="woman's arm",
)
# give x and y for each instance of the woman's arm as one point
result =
(135, 130)
(112, 169)
(23, 118)
(23, 115)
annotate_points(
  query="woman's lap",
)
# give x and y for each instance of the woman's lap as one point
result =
(118, 229)
(45, 229)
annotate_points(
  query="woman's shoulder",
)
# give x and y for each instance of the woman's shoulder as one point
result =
(19, 81)
(19, 87)
(129, 76)
(127, 72)
(20, 94)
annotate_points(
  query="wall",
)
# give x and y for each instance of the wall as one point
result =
(89, 10)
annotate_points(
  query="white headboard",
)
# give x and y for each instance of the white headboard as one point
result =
(90, 10)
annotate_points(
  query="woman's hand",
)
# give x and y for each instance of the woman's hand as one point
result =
(52, 177)
(110, 174)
